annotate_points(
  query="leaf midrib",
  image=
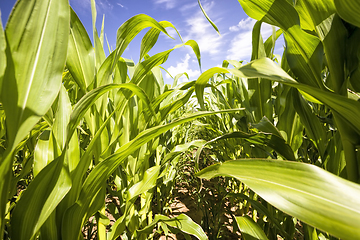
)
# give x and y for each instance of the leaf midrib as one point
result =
(35, 62)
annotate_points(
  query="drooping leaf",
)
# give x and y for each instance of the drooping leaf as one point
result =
(304, 191)
(267, 69)
(151, 38)
(304, 51)
(208, 18)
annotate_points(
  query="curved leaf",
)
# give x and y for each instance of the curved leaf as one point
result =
(43, 194)
(303, 51)
(304, 191)
(349, 10)
(78, 212)
(249, 229)
(267, 69)
(182, 222)
(207, 17)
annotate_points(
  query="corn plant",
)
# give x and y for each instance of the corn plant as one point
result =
(86, 135)
(320, 61)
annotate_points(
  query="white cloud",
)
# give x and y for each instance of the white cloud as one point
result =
(200, 30)
(241, 44)
(188, 7)
(244, 24)
(168, 3)
(182, 67)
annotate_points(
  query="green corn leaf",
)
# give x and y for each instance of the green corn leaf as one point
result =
(80, 56)
(151, 37)
(207, 17)
(62, 118)
(262, 209)
(79, 211)
(267, 69)
(125, 35)
(304, 51)
(144, 67)
(321, 17)
(43, 195)
(44, 152)
(273, 141)
(148, 181)
(249, 229)
(182, 222)
(314, 128)
(99, 48)
(86, 102)
(304, 191)
(349, 10)
(35, 62)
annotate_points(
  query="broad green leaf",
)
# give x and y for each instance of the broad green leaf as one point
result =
(148, 181)
(125, 35)
(353, 59)
(43, 194)
(314, 128)
(79, 211)
(132, 27)
(270, 43)
(288, 120)
(49, 229)
(304, 51)
(304, 191)
(176, 79)
(43, 152)
(182, 222)
(35, 62)
(258, 49)
(349, 10)
(249, 229)
(321, 17)
(80, 56)
(62, 118)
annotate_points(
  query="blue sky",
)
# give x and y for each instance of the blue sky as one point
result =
(234, 25)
